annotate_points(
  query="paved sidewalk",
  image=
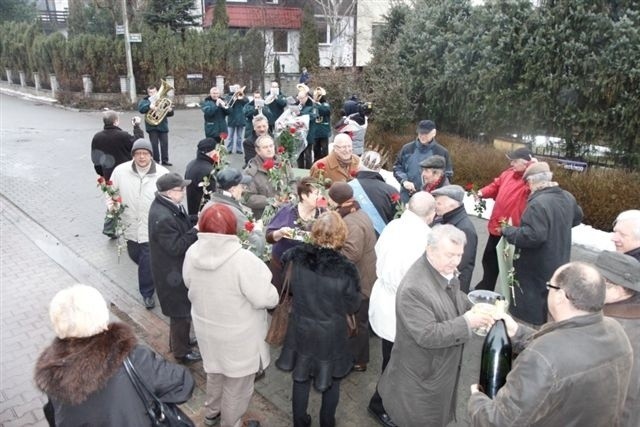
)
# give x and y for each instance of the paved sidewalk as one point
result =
(34, 265)
(29, 280)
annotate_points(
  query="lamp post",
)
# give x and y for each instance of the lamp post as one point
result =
(127, 47)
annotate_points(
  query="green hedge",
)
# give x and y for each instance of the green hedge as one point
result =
(23, 47)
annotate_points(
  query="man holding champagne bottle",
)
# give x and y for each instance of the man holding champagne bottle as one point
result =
(574, 371)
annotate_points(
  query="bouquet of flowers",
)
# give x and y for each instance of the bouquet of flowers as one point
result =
(481, 204)
(507, 254)
(291, 134)
(279, 171)
(220, 161)
(115, 209)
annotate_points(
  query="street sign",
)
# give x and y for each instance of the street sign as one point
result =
(119, 29)
(135, 37)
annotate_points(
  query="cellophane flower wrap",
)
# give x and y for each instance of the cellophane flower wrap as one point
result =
(290, 133)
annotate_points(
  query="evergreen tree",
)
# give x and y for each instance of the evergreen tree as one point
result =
(17, 11)
(220, 17)
(384, 76)
(308, 54)
(276, 69)
(86, 18)
(173, 14)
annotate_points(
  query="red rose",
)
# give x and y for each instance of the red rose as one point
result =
(292, 130)
(320, 165)
(249, 226)
(353, 173)
(109, 182)
(100, 180)
(469, 186)
(215, 157)
(119, 199)
(268, 164)
(280, 149)
(395, 197)
(223, 135)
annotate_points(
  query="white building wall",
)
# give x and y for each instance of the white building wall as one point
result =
(288, 60)
(339, 52)
(369, 13)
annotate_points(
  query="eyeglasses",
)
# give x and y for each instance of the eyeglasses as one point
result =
(550, 286)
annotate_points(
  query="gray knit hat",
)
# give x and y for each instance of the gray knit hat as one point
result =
(141, 144)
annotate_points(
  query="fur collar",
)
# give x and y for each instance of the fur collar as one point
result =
(324, 261)
(72, 369)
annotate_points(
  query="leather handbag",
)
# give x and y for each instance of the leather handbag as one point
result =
(280, 317)
(161, 414)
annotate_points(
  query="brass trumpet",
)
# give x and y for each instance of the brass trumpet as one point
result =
(303, 87)
(239, 94)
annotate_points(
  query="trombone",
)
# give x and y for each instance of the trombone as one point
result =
(238, 94)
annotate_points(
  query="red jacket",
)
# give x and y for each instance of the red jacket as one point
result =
(510, 193)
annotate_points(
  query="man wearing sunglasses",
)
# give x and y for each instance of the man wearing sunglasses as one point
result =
(574, 371)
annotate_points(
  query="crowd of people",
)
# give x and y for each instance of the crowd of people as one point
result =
(400, 260)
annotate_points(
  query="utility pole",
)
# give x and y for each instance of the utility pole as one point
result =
(127, 47)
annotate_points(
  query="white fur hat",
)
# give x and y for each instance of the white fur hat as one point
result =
(78, 311)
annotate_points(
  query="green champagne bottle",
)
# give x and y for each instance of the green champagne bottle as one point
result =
(496, 359)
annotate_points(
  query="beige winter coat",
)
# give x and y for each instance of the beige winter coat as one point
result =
(137, 193)
(230, 289)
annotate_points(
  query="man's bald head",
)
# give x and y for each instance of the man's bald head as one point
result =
(423, 205)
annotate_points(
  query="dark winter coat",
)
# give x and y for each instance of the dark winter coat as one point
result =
(214, 118)
(634, 253)
(627, 313)
(197, 169)
(543, 242)
(407, 165)
(572, 373)
(112, 146)
(325, 289)
(459, 218)
(321, 113)
(276, 108)
(380, 193)
(88, 386)
(163, 127)
(419, 385)
(170, 235)
(236, 114)
(250, 111)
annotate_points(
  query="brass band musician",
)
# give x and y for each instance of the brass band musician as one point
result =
(215, 115)
(158, 133)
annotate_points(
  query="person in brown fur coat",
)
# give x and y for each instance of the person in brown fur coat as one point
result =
(82, 371)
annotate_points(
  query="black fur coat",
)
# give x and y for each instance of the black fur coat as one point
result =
(325, 289)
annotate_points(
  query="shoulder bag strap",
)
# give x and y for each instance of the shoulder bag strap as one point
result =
(286, 282)
(143, 391)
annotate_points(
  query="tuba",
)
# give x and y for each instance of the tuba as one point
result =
(162, 105)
